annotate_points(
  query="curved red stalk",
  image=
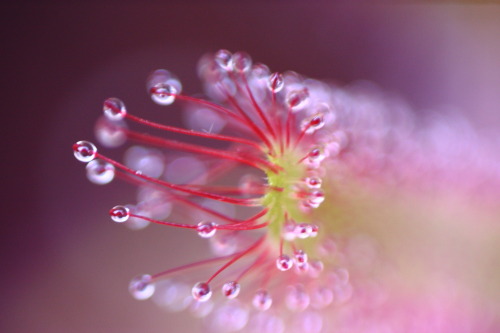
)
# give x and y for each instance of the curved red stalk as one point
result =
(191, 265)
(193, 133)
(258, 109)
(254, 264)
(250, 123)
(134, 180)
(237, 257)
(243, 202)
(256, 163)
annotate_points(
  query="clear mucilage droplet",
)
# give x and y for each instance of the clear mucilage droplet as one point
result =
(314, 230)
(300, 256)
(260, 72)
(316, 198)
(316, 155)
(206, 229)
(303, 230)
(284, 262)
(141, 287)
(262, 301)
(315, 268)
(231, 289)
(100, 172)
(110, 133)
(313, 123)
(119, 214)
(289, 233)
(163, 87)
(321, 297)
(114, 109)
(297, 99)
(297, 299)
(223, 58)
(313, 182)
(201, 292)
(84, 151)
(241, 62)
(276, 82)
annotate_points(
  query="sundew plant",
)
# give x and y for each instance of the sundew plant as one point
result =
(327, 209)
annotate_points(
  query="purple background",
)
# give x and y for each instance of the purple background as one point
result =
(65, 266)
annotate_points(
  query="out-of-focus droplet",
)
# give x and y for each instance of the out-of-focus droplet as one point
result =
(231, 289)
(201, 292)
(136, 223)
(284, 262)
(297, 299)
(110, 134)
(316, 155)
(172, 295)
(262, 301)
(343, 293)
(314, 230)
(206, 229)
(315, 268)
(204, 120)
(242, 62)
(315, 199)
(201, 309)
(119, 214)
(300, 256)
(313, 123)
(297, 99)
(223, 58)
(114, 109)
(321, 297)
(265, 322)
(276, 82)
(307, 321)
(250, 183)
(100, 172)
(260, 71)
(163, 87)
(313, 182)
(231, 316)
(224, 244)
(340, 276)
(141, 287)
(303, 230)
(84, 151)
(177, 173)
(289, 231)
(150, 162)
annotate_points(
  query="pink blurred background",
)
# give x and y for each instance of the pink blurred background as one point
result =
(65, 266)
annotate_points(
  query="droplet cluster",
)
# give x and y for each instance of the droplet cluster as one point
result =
(282, 123)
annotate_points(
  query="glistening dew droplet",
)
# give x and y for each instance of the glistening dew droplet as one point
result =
(223, 58)
(262, 301)
(231, 289)
(206, 229)
(297, 99)
(163, 87)
(300, 256)
(201, 292)
(119, 214)
(84, 151)
(100, 172)
(241, 62)
(114, 109)
(141, 287)
(276, 82)
(260, 226)
(284, 262)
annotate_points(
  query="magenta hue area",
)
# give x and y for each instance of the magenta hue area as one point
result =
(65, 265)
